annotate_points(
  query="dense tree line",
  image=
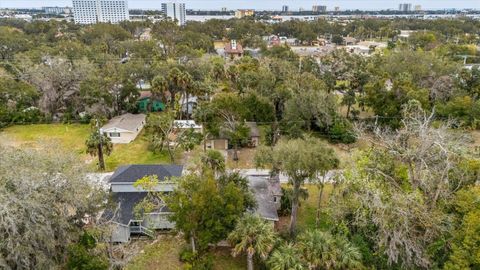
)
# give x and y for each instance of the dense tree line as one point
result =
(407, 202)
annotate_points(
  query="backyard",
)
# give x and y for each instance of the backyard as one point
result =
(71, 137)
(163, 253)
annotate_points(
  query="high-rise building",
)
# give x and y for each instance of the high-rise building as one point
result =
(94, 11)
(418, 7)
(56, 10)
(406, 7)
(337, 9)
(175, 11)
(319, 8)
(224, 9)
(285, 8)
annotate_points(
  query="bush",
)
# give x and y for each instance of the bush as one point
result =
(193, 260)
(342, 132)
(286, 200)
(84, 256)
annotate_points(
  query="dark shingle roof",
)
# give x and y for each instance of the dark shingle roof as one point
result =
(125, 203)
(131, 173)
(265, 206)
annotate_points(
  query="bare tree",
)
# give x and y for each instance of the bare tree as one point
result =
(170, 134)
(236, 131)
(401, 186)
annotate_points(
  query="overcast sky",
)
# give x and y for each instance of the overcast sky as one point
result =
(267, 4)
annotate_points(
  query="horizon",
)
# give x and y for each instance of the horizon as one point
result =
(267, 5)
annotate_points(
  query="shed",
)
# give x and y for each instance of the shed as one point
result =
(254, 139)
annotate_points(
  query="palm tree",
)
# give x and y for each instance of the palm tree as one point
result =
(286, 257)
(214, 160)
(178, 81)
(97, 145)
(326, 251)
(159, 87)
(349, 256)
(252, 235)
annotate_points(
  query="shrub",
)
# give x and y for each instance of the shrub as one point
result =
(193, 260)
(84, 256)
(342, 132)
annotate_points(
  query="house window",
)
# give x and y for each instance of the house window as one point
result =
(114, 134)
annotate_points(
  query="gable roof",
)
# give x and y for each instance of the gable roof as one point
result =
(131, 173)
(228, 48)
(127, 121)
(145, 94)
(122, 204)
(266, 208)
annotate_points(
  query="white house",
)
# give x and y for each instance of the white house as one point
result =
(124, 128)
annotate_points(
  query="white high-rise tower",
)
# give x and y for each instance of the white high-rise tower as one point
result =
(94, 11)
(175, 11)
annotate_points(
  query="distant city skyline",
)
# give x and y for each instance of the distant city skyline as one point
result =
(294, 5)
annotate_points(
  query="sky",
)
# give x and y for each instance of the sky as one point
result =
(266, 4)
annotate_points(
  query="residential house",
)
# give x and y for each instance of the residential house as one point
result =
(188, 105)
(267, 192)
(124, 197)
(125, 223)
(349, 41)
(233, 50)
(145, 103)
(124, 128)
(274, 40)
(366, 48)
(405, 34)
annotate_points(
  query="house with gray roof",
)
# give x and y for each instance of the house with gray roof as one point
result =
(124, 128)
(268, 193)
(124, 197)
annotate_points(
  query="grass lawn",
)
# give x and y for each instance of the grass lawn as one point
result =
(135, 152)
(308, 210)
(163, 254)
(71, 138)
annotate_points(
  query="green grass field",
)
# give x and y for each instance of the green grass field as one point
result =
(71, 138)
